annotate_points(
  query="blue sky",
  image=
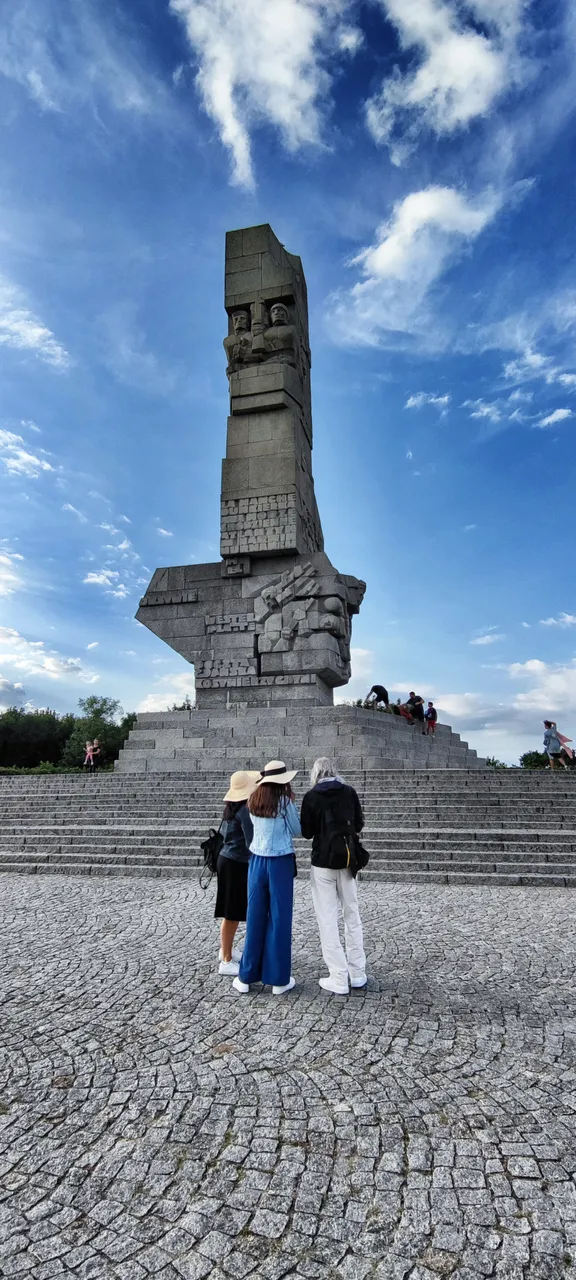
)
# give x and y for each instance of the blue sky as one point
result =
(419, 158)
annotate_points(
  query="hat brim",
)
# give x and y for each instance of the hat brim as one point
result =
(279, 779)
(243, 793)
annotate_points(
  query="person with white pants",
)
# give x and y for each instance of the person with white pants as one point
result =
(331, 816)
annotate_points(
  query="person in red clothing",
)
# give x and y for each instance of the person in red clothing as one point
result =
(431, 718)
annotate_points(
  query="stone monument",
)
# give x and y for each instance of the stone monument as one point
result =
(270, 623)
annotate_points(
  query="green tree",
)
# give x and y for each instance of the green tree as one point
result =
(494, 763)
(101, 718)
(534, 760)
(29, 737)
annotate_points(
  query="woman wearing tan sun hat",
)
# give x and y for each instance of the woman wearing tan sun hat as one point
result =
(232, 870)
(267, 955)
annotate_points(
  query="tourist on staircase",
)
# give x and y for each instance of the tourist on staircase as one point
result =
(377, 697)
(553, 744)
(331, 818)
(431, 718)
(267, 955)
(232, 868)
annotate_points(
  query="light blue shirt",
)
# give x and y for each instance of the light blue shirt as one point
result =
(273, 837)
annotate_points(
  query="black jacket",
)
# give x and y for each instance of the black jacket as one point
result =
(341, 800)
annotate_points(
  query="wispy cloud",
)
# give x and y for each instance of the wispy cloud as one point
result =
(482, 409)
(563, 620)
(425, 233)
(10, 576)
(165, 533)
(67, 506)
(17, 458)
(93, 644)
(32, 659)
(462, 69)
(63, 59)
(531, 365)
(109, 580)
(492, 637)
(264, 63)
(169, 689)
(557, 415)
(422, 398)
(21, 329)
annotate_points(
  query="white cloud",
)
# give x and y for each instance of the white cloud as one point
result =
(563, 620)
(31, 658)
(469, 527)
(264, 63)
(10, 578)
(170, 688)
(531, 364)
(425, 233)
(75, 512)
(101, 578)
(65, 60)
(17, 459)
(21, 329)
(93, 645)
(557, 415)
(12, 694)
(110, 528)
(462, 70)
(492, 637)
(166, 533)
(553, 691)
(480, 409)
(526, 625)
(421, 398)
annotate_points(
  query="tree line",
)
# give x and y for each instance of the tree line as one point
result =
(29, 739)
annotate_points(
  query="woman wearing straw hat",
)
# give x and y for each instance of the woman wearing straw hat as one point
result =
(267, 955)
(232, 869)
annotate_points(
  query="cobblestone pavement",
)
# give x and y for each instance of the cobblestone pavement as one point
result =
(154, 1123)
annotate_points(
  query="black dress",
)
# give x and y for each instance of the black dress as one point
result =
(232, 869)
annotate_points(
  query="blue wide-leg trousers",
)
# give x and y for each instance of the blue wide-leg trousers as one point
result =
(267, 955)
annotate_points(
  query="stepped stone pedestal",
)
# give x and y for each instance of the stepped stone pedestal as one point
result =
(245, 737)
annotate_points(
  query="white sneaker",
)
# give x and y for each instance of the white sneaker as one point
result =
(242, 987)
(236, 955)
(328, 984)
(359, 981)
(230, 968)
(279, 991)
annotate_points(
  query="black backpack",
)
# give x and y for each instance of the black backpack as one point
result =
(211, 847)
(340, 844)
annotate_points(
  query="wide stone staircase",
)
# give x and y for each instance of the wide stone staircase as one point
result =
(454, 826)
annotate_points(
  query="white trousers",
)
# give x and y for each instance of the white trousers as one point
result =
(332, 890)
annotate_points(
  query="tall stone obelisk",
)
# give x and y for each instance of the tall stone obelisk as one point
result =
(271, 622)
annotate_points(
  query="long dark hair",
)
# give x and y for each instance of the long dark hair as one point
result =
(265, 801)
(231, 809)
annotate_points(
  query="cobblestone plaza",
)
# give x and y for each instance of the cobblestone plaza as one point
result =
(154, 1123)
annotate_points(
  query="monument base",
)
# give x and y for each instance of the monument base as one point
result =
(245, 737)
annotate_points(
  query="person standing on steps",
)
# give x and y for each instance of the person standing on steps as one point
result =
(553, 745)
(267, 955)
(232, 869)
(331, 807)
(89, 758)
(96, 754)
(431, 718)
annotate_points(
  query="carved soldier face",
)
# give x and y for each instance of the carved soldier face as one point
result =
(240, 322)
(279, 314)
